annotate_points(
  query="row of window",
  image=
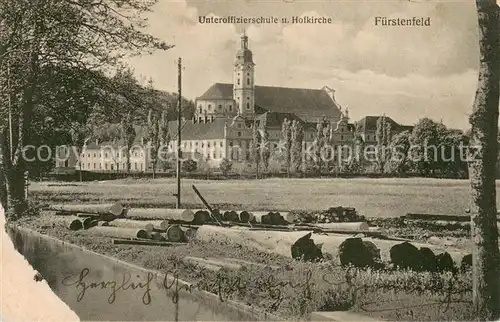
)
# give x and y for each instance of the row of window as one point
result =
(214, 144)
(111, 166)
(209, 108)
(248, 81)
(118, 155)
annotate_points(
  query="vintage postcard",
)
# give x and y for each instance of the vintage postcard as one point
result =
(249, 160)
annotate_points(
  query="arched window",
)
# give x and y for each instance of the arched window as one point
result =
(248, 81)
(248, 106)
(238, 81)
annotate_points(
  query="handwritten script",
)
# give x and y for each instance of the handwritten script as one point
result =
(81, 282)
(226, 285)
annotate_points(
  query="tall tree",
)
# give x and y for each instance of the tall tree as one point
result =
(319, 143)
(80, 134)
(482, 168)
(286, 133)
(265, 149)
(35, 34)
(400, 145)
(128, 135)
(383, 137)
(427, 138)
(153, 137)
(164, 137)
(297, 140)
(255, 148)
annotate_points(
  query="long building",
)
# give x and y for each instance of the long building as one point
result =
(224, 118)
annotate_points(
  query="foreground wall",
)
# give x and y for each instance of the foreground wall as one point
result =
(98, 287)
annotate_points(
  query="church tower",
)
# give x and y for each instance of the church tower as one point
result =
(243, 88)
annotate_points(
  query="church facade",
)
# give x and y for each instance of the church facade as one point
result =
(225, 114)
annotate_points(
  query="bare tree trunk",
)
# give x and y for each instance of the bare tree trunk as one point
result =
(128, 159)
(482, 170)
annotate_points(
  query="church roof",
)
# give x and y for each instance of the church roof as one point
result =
(308, 104)
(218, 91)
(275, 119)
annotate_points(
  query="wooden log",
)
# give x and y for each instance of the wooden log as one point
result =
(201, 216)
(289, 217)
(156, 236)
(246, 216)
(248, 263)
(275, 242)
(331, 242)
(75, 224)
(204, 265)
(160, 224)
(189, 233)
(377, 229)
(230, 215)
(63, 213)
(212, 263)
(119, 232)
(277, 219)
(70, 222)
(442, 223)
(116, 209)
(100, 217)
(179, 215)
(143, 242)
(130, 223)
(345, 225)
(436, 217)
(262, 217)
(174, 233)
(89, 222)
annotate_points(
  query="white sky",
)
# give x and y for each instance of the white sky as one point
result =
(405, 72)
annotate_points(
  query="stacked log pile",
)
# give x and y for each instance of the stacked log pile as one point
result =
(348, 250)
(139, 226)
(332, 215)
(340, 237)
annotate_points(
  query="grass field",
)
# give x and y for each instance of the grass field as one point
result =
(390, 295)
(371, 197)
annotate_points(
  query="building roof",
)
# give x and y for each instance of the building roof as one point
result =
(369, 123)
(200, 131)
(218, 91)
(275, 119)
(308, 104)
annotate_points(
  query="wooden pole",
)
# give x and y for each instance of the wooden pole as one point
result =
(206, 205)
(182, 215)
(179, 119)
